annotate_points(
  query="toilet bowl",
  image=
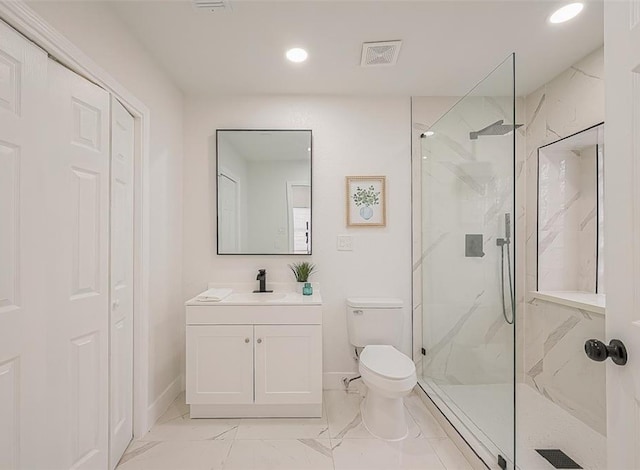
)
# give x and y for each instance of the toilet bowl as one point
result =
(390, 376)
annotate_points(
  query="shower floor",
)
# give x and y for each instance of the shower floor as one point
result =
(541, 424)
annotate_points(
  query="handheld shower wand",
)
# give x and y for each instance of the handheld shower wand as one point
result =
(502, 242)
(507, 227)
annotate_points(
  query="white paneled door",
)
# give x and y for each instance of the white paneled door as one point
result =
(76, 292)
(622, 218)
(121, 283)
(23, 74)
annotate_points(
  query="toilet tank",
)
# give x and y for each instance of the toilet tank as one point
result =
(374, 321)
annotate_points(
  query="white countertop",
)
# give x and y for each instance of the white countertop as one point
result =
(242, 294)
(583, 300)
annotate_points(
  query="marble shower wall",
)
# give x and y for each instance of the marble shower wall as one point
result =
(554, 361)
(567, 226)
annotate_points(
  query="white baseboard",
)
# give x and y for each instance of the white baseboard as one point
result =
(161, 404)
(333, 380)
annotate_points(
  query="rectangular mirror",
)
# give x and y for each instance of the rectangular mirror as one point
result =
(571, 213)
(263, 192)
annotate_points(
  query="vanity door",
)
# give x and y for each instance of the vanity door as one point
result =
(219, 364)
(288, 364)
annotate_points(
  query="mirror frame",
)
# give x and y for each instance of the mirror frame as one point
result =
(215, 175)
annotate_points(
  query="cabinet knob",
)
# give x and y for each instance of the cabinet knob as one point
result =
(246, 340)
(259, 340)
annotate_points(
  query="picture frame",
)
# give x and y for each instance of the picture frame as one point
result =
(366, 201)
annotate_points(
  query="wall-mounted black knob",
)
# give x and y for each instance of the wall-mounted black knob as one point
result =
(598, 351)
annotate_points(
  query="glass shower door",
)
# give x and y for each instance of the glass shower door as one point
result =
(467, 266)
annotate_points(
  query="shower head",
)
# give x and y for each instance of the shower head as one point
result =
(497, 128)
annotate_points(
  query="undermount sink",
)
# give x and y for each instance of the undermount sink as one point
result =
(255, 297)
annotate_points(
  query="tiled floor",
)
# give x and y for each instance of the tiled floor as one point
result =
(542, 424)
(338, 441)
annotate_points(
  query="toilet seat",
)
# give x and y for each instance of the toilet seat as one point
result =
(387, 362)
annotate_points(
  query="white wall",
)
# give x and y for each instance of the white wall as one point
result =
(94, 28)
(351, 136)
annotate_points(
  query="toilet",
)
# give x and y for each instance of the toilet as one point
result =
(375, 324)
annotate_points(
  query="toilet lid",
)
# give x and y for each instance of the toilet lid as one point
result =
(387, 361)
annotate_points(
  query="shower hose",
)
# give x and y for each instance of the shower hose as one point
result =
(511, 298)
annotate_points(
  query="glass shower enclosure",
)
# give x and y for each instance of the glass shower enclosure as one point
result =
(467, 266)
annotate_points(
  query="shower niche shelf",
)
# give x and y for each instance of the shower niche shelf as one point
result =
(588, 301)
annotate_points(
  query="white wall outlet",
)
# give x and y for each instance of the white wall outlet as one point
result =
(345, 243)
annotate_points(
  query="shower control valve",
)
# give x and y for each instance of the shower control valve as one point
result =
(598, 351)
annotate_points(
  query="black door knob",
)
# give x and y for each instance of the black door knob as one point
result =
(598, 351)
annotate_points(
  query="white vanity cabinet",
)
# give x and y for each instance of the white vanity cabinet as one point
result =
(254, 360)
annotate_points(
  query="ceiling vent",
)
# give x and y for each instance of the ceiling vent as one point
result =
(212, 5)
(381, 53)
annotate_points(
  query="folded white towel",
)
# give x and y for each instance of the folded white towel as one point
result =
(214, 295)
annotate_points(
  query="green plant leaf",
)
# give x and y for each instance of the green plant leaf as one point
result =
(302, 270)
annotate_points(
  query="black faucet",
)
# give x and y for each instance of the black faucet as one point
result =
(262, 277)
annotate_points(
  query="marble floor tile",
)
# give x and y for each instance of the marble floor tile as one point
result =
(423, 417)
(177, 442)
(283, 428)
(175, 425)
(186, 429)
(345, 417)
(173, 455)
(373, 454)
(289, 454)
(450, 455)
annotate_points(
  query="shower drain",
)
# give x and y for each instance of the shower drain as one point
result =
(557, 458)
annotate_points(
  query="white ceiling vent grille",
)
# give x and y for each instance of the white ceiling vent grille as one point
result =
(375, 54)
(212, 5)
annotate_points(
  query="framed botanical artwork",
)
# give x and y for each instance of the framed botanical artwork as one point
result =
(366, 201)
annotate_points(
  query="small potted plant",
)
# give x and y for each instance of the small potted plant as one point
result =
(302, 271)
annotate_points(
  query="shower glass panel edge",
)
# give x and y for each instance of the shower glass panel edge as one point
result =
(467, 265)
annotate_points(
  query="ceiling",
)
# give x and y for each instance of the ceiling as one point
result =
(448, 46)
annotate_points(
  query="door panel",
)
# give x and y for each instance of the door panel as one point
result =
(288, 364)
(77, 288)
(220, 364)
(10, 414)
(85, 397)
(622, 218)
(121, 282)
(23, 73)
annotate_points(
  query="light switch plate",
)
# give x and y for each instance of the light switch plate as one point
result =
(345, 243)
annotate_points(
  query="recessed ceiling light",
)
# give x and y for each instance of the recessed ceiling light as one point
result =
(297, 54)
(566, 13)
